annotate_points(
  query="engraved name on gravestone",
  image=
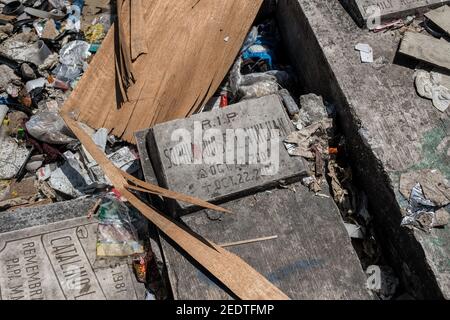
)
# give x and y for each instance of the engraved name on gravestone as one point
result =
(175, 161)
(58, 261)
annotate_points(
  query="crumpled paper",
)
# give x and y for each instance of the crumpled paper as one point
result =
(299, 142)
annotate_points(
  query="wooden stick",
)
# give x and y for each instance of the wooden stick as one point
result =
(238, 243)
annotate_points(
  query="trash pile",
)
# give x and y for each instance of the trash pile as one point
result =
(259, 70)
(45, 47)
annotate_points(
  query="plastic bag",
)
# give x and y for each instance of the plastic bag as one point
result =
(251, 39)
(75, 53)
(57, 4)
(116, 236)
(49, 127)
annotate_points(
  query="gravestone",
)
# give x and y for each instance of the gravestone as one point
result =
(189, 165)
(49, 253)
(309, 255)
(364, 10)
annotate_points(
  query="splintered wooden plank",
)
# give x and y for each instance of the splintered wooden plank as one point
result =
(426, 48)
(190, 45)
(440, 17)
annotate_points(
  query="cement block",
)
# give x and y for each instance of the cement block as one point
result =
(176, 163)
(49, 253)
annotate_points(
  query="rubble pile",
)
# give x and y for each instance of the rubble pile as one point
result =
(45, 47)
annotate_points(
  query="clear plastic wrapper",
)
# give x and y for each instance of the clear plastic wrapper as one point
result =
(49, 127)
(117, 237)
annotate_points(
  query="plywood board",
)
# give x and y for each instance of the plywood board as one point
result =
(191, 45)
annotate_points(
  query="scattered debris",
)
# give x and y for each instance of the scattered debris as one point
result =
(434, 184)
(427, 49)
(428, 192)
(366, 52)
(116, 235)
(431, 85)
(313, 135)
(238, 243)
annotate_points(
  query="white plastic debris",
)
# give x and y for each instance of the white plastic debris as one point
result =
(75, 53)
(419, 205)
(354, 231)
(45, 172)
(429, 85)
(366, 52)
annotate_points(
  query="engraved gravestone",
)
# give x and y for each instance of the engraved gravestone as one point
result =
(49, 253)
(224, 153)
(367, 10)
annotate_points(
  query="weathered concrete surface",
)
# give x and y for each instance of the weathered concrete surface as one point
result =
(49, 253)
(312, 258)
(363, 10)
(389, 129)
(183, 166)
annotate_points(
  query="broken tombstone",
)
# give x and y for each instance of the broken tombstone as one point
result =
(44, 232)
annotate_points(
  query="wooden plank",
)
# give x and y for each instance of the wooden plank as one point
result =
(312, 257)
(441, 18)
(186, 61)
(426, 48)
